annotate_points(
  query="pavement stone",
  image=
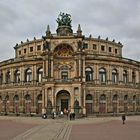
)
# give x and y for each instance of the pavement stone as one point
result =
(57, 129)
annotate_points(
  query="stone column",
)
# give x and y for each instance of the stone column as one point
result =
(34, 100)
(80, 95)
(109, 74)
(120, 75)
(45, 66)
(43, 100)
(137, 77)
(51, 70)
(79, 64)
(83, 66)
(72, 100)
(129, 75)
(53, 99)
(75, 67)
(12, 75)
(97, 73)
(84, 101)
(34, 73)
(22, 74)
(4, 76)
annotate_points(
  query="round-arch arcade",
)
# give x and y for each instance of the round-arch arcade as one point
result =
(63, 101)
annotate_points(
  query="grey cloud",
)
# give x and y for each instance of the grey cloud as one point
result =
(116, 19)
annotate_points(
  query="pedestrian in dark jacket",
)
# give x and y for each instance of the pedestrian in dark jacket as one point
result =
(123, 118)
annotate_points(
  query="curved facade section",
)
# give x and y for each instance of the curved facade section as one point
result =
(69, 72)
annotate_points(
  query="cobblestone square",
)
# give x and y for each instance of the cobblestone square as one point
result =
(96, 128)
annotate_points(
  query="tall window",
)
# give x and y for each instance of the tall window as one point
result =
(8, 76)
(40, 74)
(28, 75)
(102, 47)
(103, 97)
(17, 76)
(27, 97)
(134, 98)
(114, 76)
(16, 98)
(89, 97)
(125, 78)
(133, 77)
(115, 97)
(126, 98)
(102, 75)
(89, 74)
(94, 46)
(7, 97)
(64, 73)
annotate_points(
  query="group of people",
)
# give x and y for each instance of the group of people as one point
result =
(70, 115)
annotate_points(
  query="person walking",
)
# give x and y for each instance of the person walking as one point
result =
(123, 118)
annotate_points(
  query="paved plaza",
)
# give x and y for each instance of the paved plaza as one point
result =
(101, 128)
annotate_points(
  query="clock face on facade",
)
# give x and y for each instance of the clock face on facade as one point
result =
(63, 50)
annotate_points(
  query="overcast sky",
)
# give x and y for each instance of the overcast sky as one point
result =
(115, 19)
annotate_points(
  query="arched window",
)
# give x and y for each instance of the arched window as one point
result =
(89, 74)
(8, 76)
(27, 97)
(89, 97)
(103, 97)
(17, 76)
(126, 98)
(133, 77)
(28, 75)
(7, 97)
(125, 77)
(16, 98)
(114, 76)
(115, 97)
(102, 75)
(134, 98)
(39, 97)
(40, 74)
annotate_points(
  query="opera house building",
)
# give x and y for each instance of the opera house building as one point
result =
(67, 71)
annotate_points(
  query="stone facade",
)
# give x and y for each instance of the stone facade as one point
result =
(68, 71)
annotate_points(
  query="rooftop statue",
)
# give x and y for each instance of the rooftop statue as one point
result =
(64, 19)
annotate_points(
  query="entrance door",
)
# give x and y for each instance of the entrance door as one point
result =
(89, 108)
(102, 107)
(63, 101)
(114, 107)
(64, 104)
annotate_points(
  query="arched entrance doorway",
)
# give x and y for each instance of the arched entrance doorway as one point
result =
(102, 104)
(89, 103)
(39, 104)
(16, 104)
(63, 101)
